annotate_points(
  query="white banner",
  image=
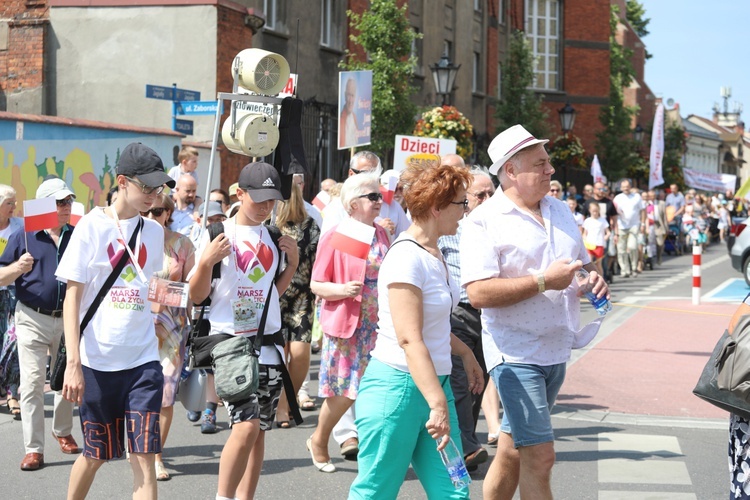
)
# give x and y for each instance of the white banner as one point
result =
(411, 148)
(656, 173)
(715, 183)
(596, 170)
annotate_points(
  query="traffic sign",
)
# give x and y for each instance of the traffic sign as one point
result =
(169, 94)
(183, 126)
(195, 108)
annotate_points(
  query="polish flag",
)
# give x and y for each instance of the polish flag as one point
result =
(388, 189)
(39, 214)
(76, 212)
(353, 237)
(321, 200)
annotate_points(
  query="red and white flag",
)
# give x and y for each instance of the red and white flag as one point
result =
(353, 237)
(39, 214)
(388, 189)
(321, 200)
(76, 212)
(596, 170)
(656, 172)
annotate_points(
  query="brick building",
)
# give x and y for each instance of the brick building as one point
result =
(91, 59)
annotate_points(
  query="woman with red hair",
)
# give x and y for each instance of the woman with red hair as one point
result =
(405, 402)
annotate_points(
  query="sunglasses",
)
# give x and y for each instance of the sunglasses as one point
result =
(157, 212)
(465, 203)
(64, 202)
(146, 189)
(373, 197)
(554, 190)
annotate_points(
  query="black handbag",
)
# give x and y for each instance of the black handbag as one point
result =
(57, 376)
(708, 386)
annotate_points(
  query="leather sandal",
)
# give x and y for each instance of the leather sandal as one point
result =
(161, 472)
(14, 409)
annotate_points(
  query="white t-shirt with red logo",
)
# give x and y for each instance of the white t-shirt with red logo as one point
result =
(121, 334)
(246, 273)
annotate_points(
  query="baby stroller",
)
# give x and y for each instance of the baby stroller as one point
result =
(672, 244)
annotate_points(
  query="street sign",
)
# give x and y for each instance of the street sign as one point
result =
(168, 94)
(183, 126)
(195, 108)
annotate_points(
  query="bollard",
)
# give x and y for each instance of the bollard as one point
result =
(697, 251)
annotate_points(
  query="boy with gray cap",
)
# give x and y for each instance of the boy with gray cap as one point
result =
(249, 261)
(113, 369)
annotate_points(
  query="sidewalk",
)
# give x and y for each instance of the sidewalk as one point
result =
(649, 364)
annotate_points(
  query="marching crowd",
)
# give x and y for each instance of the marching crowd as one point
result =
(462, 300)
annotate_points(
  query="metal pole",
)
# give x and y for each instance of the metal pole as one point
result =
(211, 165)
(697, 251)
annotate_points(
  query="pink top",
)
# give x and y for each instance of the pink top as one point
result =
(339, 318)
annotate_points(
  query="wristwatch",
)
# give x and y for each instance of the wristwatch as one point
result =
(540, 282)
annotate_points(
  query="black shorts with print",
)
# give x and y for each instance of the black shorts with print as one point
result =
(262, 404)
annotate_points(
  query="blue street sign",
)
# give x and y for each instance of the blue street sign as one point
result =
(187, 95)
(183, 126)
(157, 92)
(166, 93)
(195, 108)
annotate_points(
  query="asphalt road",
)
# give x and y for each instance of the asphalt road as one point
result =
(600, 455)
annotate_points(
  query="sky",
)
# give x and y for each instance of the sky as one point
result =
(697, 49)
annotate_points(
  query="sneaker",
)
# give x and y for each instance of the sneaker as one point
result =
(208, 425)
(193, 416)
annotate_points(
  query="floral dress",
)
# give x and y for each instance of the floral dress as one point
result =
(177, 250)
(739, 451)
(343, 361)
(297, 304)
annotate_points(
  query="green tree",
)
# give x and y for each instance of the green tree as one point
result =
(615, 146)
(386, 36)
(674, 148)
(635, 13)
(520, 104)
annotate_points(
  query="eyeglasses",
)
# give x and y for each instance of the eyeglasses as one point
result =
(481, 195)
(373, 197)
(146, 189)
(156, 211)
(64, 202)
(360, 171)
(465, 203)
(553, 190)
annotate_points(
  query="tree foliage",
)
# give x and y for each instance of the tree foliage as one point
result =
(674, 149)
(520, 104)
(615, 146)
(384, 33)
(635, 13)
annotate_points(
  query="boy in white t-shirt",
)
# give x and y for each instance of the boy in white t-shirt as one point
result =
(113, 370)
(249, 260)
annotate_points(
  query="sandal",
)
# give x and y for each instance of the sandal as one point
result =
(14, 409)
(492, 439)
(282, 423)
(161, 472)
(307, 404)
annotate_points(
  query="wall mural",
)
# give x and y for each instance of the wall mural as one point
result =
(87, 166)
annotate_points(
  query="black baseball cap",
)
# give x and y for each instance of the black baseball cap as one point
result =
(261, 181)
(140, 161)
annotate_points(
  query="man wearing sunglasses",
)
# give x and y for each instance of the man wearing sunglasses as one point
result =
(39, 323)
(113, 370)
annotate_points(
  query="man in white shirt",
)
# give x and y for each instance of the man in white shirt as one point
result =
(631, 220)
(519, 253)
(184, 200)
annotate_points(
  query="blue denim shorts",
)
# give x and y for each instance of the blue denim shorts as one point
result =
(528, 393)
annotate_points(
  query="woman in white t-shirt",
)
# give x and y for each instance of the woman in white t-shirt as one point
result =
(10, 373)
(405, 401)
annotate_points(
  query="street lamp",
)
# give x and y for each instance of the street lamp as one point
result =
(567, 118)
(638, 134)
(444, 75)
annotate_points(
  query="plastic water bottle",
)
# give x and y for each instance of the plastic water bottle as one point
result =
(454, 464)
(602, 305)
